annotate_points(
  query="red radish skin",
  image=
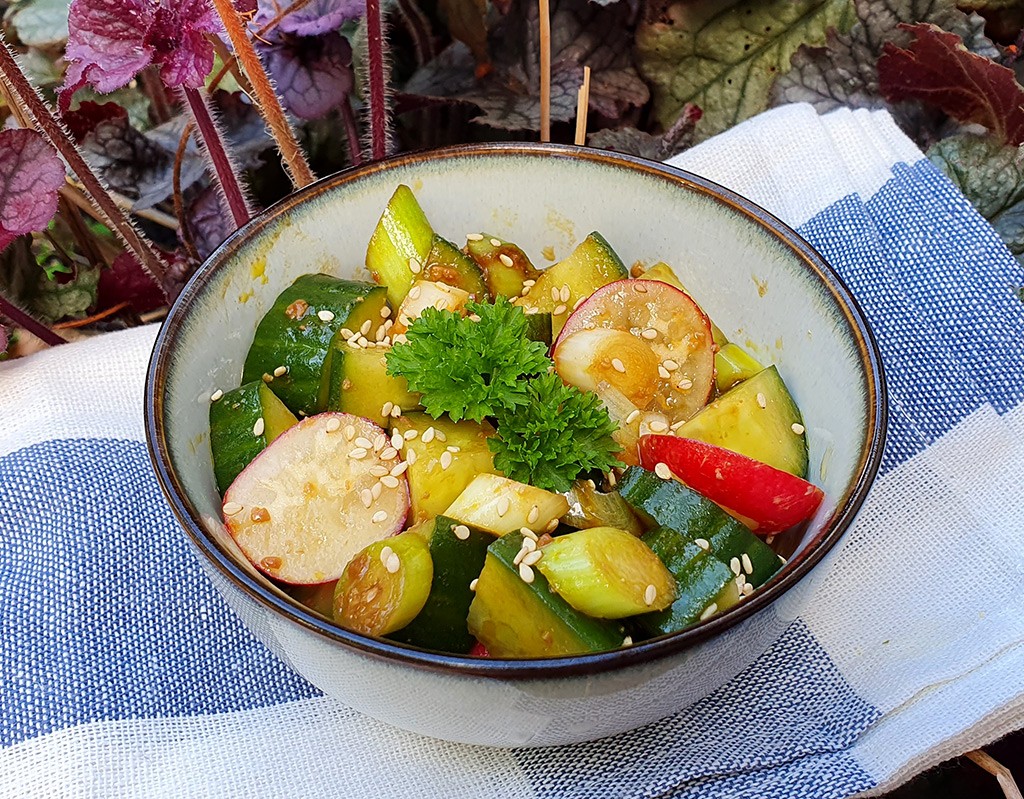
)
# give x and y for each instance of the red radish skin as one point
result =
(479, 651)
(297, 511)
(768, 498)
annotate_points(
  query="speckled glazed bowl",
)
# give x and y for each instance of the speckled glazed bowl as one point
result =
(766, 288)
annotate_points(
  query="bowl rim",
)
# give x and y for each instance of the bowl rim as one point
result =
(539, 668)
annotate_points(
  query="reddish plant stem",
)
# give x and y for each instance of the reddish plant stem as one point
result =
(376, 78)
(220, 161)
(179, 204)
(418, 25)
(348, 117)
(159, 106)
(52, 128)
(33, 326)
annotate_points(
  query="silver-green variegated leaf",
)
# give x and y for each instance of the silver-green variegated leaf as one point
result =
(39, 23)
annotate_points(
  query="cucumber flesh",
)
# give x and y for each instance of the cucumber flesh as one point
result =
(234, 418)
(385, 585)
(504, 279)
(499, 505)
(538, 328)
(294, 341)
(360, 384)
(402, 235)
(458, 554)
(606, 573)
(516, 619)
(447, 264)
(733, 364)
(737, 421)
(589, 507)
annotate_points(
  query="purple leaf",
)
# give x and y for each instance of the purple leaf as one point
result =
(207, 223)
(314, 18)
(126, 281)
(3, 339)
(178, 37)
(313, 74)
(84, 119)
(30, 174)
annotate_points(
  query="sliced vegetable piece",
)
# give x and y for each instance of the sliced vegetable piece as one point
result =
(759, 419)
(360, 384)
(443, 458)
(538, 327)
(499, 505)
(237, 435)
(561, 287)
(733, 364)
(505, 276)
(385, 585)
(299, 511)
(458, 553)
(589, 507)
(446, 263)
(704, 585)
(607, 573)
(513, 618)
(400, 243)
(426, 294)
(319, 598)
(666, 274)
(294, 340)
(773, 500)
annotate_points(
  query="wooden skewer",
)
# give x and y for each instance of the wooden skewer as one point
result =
(997, 770)
(545, 70)
(582, 104)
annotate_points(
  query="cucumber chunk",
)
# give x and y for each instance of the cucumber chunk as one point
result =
(538, 328)
(458, 554)
(499, 505)
(385, 585)
(733, 364)
(297, 334)
(403, 236)
(664, 273)
(234, 420)
(517, 619)
(607, 573)
(446, 263)
(755, 419)
(591, 265)
(360, 384)
(589, 507)
(432, 486)
(504, 279)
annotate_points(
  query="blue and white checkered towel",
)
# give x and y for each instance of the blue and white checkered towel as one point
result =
(123, 674)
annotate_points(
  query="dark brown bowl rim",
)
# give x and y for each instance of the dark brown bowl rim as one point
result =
(541, 668)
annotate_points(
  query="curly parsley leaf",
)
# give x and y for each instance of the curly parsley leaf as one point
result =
(469, 369)
(558, 433)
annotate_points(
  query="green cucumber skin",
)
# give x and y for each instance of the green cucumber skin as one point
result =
(446, 263)
(671, 504)
(403, 232)
(441, 625)
(232, 442)
(538, 327)
(303, 344)
(595, 635)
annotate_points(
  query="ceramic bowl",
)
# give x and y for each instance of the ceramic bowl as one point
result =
(763, 285)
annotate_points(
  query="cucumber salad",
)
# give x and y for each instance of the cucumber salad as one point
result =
(476, 456)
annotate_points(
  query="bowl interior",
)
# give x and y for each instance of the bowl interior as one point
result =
(763, 286)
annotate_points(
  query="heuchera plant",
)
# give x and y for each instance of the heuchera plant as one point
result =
(177, 105)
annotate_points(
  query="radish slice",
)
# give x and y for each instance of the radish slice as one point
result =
(305, 506)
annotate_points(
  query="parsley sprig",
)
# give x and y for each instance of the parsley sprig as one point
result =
(548, 433)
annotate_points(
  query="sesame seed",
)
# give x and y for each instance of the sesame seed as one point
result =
(797, 428)
(410, 457)
(389, 454)
(364, 328)
(555, 294)
(267, 378)
(414, 294)
(612, 479)
(428, 436)
(399, 470)
(618, 366)
(379, 334)
(533, 515)
(685, 384)
(657, 426)
(770, 540)
(385, 553)
(525, 573)
(709, 611)
(259, 427)
(439, 435)
(385, 409)
(366, 497)
(664, 373)
(503, 505)
(378, 470)
(379, 516)
(393, 564)
(354, 342)
(662, 470)
(748, 567)
(762, 400)
(461, 532)
(559, 310)
(415, 266)
(389, 481)
(632, 416)
(782, 560)
(531, 311)
(650, 594)
(453, 449)
(358, 453)
(564, 294)
(741, 580)
(734, 564)
(505, 260)
(522, 553)
(747, 589)
(529, 283)
(346, 333)
(385, 312)
(532, 557)
(409, 435)
(380, 441)
(703, 543)
(495, 242)
(231, 508)
(627, 641)
(529, 544)
(396, 411)
(677, 425)
(474, 317)
(552, 526)
(650, 334)
(216, 395)
(474, 237)
(670, 365)
(280, 371)
(333, 424)
(528, 533)
(397, 441)
(325, 316)
(363, 442)
(472, 583)
(375, 490)
(446, 460)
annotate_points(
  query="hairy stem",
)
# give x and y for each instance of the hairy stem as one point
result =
(265, 97)
(179, 204)
(213, 143)
(377, 79)
(59, 137)
(33, 326)
(348, 117)
(418, 25)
